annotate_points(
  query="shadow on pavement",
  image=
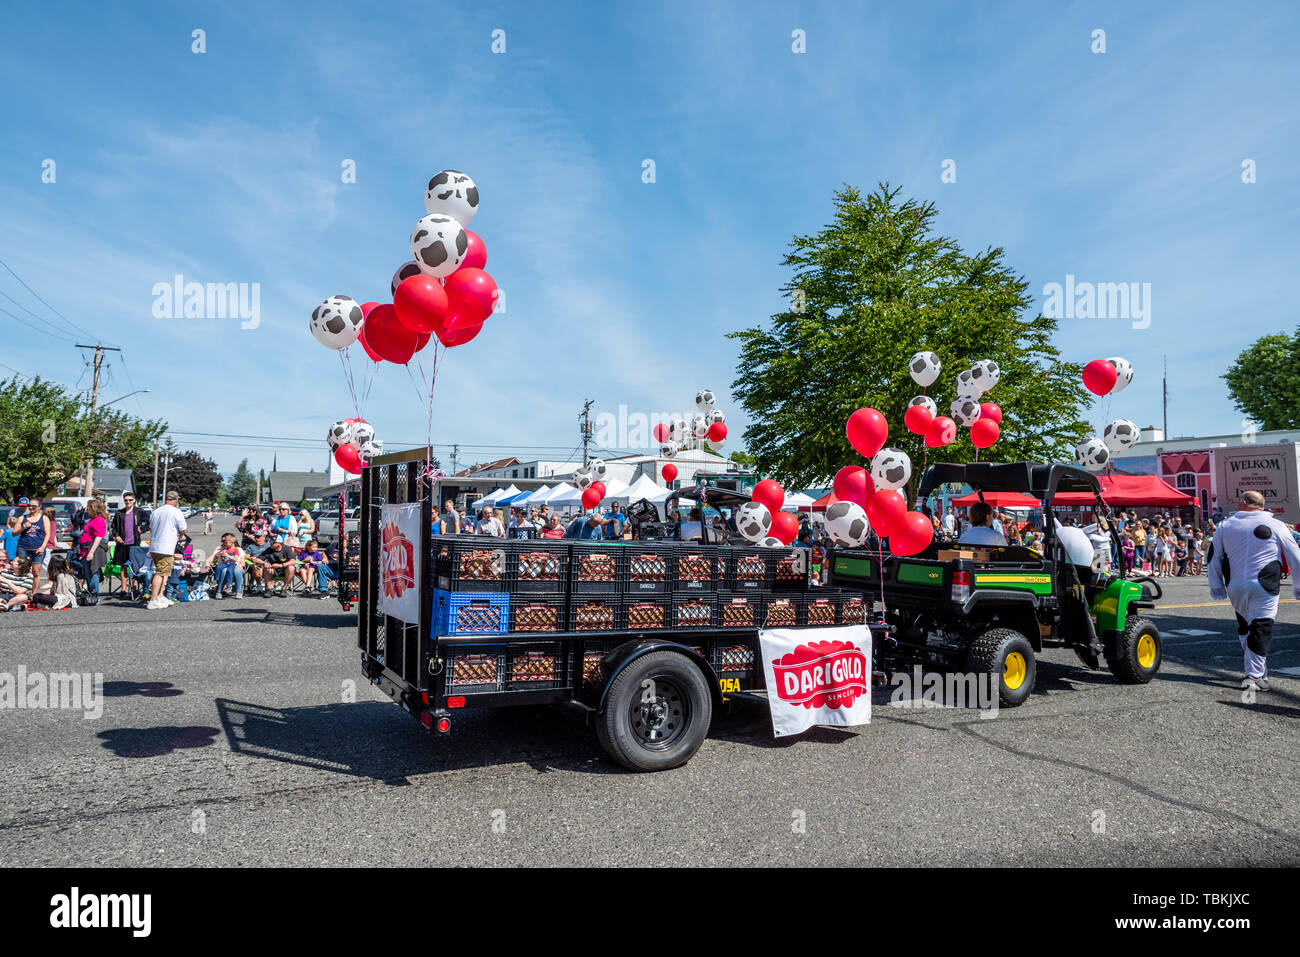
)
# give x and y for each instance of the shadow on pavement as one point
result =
(305, 616)
(145, 689)
(155, 742)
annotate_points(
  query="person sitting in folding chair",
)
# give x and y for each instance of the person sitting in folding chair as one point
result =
(277, 561)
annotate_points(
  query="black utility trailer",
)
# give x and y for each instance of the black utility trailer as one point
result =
(647, 637)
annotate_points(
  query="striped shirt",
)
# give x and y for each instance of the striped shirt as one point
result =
(17, 582)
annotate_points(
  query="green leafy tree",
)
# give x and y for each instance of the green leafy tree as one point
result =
(869, 290)
(241, 488)
(194, 478)
(47, 435)
(1264, 382)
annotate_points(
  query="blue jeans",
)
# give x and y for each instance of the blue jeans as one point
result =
(324, 575)
(228, 573)
(82, 568)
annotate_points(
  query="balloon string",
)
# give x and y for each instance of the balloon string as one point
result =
(344, 361)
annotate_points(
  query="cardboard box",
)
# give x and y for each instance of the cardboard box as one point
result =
(972, 554)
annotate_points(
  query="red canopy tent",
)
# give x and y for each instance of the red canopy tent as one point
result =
(1129, 490)
(821, 505)
(998, 500)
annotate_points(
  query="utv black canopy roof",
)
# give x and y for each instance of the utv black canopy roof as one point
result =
(1041, 481)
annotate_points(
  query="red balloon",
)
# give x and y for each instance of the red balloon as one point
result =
(784, 527)
(388, 337)
(348, 458)
(590, 498)
(886, 509)
(366, 307)
(718, 431)
(1099, 376)
(361, 338)
(472, 294)
(475, 252)
(918, 419)
(422, 340)
(459, 335)
(867, 431)
(420, 303)
(599, 487)
(912, 534)
(670, 472)
(991, 412)
(942, 432)
(984, 433)
(769, 493)
(853, 484)
(662, 432)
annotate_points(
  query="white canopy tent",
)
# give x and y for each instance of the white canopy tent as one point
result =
(537, 498)
(555, 494)
(646, 488)
(797, 501)
(615, 491)
(493, 497)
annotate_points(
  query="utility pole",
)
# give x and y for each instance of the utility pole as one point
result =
(154, 499)
(455, 452)
(1164, 388)
(167, 461)
(88, 477)
(585, 428)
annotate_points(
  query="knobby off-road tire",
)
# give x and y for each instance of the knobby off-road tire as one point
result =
(1139, 651)
(1006, 658)
(659, 725)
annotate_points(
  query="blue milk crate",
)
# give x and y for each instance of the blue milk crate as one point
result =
(470, 613)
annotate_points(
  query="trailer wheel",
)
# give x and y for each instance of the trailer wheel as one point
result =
(1007, 659)
(657, 712)
(1139, 652)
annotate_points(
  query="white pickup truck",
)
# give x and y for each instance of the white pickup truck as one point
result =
(327, 524)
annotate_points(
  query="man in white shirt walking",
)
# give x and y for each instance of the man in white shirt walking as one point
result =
(950, 521)
(165, 527)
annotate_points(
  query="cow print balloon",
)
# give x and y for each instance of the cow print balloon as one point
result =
(891, 468)
(926, 401)
(846, 523)
(453, 194)
(1123, 373)
(1092, 454)
(924, 368)
(965, 410)
(362, 434)
(754, 521)
(438, 244)
(338, 433)
(405, 271)
(985, 374)
(336, 322)
(1120, 435)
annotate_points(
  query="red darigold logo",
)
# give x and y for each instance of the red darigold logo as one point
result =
(829, 674)
(397, 562)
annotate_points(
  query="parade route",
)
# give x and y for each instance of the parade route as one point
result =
(226, 739)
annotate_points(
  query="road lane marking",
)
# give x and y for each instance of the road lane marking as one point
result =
(1215, 604)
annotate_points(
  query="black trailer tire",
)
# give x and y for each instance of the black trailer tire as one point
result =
(656, 726)
(1006, 658)
(1139, 651)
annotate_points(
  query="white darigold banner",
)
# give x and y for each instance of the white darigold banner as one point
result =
(399, 562)
(817, 676)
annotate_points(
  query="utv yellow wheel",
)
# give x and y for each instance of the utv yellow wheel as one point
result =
(1146, 652)
(1014, 670)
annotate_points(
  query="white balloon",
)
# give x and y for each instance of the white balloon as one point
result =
(891, 468)
(678, 431)
(361, 433)
(847, 524)
(699, 425)
(368, 451)
(339, 433)
(985, 374)
(596, 469)
(1123, 373)
(754, 521)
(1092, 454)
(965, 410)
(336, 322)
(704, 400)
(1121, 434)
(405, 271)
(668, 449)
(926, 401)
(438, 245)
(966, 384)
(582, 479)
(924, 367)
(453, 194)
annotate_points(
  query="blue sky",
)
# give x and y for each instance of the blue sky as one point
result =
(225, 167)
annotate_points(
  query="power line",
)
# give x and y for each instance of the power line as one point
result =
(37, 328)
(46, 304)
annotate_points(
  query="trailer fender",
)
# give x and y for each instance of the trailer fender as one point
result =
(625, 654)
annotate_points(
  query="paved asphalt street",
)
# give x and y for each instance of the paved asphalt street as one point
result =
(226, 740)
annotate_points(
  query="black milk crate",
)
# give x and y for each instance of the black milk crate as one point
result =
(733, 658)
(791, 570)
(596, 567)
(782, 611)
(749, 569)
(649, 567)
(740, 609)
(596, 612)
(822, 608)
(475, 672)
(647, 612)
(695, 568)
(694, 610)
(593, 653)
(855, 608)
(537, 565)
(535, 670)
(538, 613)
(470, 563)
